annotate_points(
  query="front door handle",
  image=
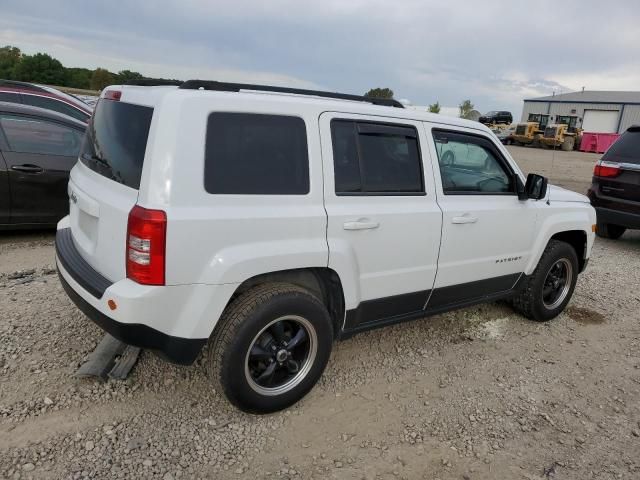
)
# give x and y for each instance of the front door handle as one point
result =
(464, 219)
(27, 168)
(360, 225)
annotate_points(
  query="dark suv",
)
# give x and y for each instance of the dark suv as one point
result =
(615, 189)
(496, 117)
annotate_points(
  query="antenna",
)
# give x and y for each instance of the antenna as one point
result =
(553, 160)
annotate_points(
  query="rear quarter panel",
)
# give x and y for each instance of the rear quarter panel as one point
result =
(218, 239)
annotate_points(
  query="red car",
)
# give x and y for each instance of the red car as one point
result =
(44, 97)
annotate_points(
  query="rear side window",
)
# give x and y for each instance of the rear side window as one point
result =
(255, 154)
(55, 105)
(626, 149)
(33, 135)
(376, 159)
(116, 141)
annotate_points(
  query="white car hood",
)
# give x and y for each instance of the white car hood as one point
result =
(560, 194)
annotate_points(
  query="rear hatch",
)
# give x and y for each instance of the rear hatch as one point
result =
(619, 174)
(104, 183)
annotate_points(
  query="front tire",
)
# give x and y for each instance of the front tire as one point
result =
(270, 348)
(549, 288)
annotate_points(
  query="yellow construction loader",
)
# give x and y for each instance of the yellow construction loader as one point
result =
(558, 135)
(527, 133)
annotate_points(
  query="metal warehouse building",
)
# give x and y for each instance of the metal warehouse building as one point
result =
(593, 111)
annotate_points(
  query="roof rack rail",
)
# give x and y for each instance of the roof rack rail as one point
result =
(236, 87)
(153, 82)
(23, 85)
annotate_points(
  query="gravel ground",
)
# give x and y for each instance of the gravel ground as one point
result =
(479, 393)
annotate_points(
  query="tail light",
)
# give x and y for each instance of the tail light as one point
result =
(146, 245)
(606, 170)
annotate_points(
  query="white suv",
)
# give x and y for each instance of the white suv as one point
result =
(274, 221)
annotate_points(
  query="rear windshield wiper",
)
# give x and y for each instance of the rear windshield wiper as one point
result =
(103, 165)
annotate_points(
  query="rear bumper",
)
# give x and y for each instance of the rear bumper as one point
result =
(174, 321)
(617, 217)
(182, 351)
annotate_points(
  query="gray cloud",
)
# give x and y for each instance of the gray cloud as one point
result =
(493, 52)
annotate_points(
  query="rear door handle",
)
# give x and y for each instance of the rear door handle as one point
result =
(27, 168)
(360, 225)
(464, 219)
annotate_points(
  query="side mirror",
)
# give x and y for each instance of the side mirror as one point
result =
(536, 186)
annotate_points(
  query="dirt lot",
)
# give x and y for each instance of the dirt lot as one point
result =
(480, 393)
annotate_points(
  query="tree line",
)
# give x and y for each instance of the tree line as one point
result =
(43, 68)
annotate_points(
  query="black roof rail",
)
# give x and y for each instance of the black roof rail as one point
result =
(153, 82)
(23, 85)
(236, 87)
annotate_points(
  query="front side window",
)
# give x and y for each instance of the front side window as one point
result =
(256, 154)
(32, 135)
(375, 158)
(471, 165)
(55, 105)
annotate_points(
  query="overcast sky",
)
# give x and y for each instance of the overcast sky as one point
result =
(493, 52)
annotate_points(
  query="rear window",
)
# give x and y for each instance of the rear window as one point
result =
(255, 154)
(626, 149)
(116, 140)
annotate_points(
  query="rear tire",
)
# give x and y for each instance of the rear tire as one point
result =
(250, 358)
(549, 288)
(609, 230)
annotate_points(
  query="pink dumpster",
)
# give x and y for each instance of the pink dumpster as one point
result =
(597, 142)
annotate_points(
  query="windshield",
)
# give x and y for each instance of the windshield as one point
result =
(490, 114)
(116, 141)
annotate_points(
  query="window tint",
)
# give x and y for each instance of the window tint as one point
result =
(470, 164)
(626, 149)
(375, 158)
(9, 97)
(55, 105)
(116, 141)
(31, 135)
(255, 154)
